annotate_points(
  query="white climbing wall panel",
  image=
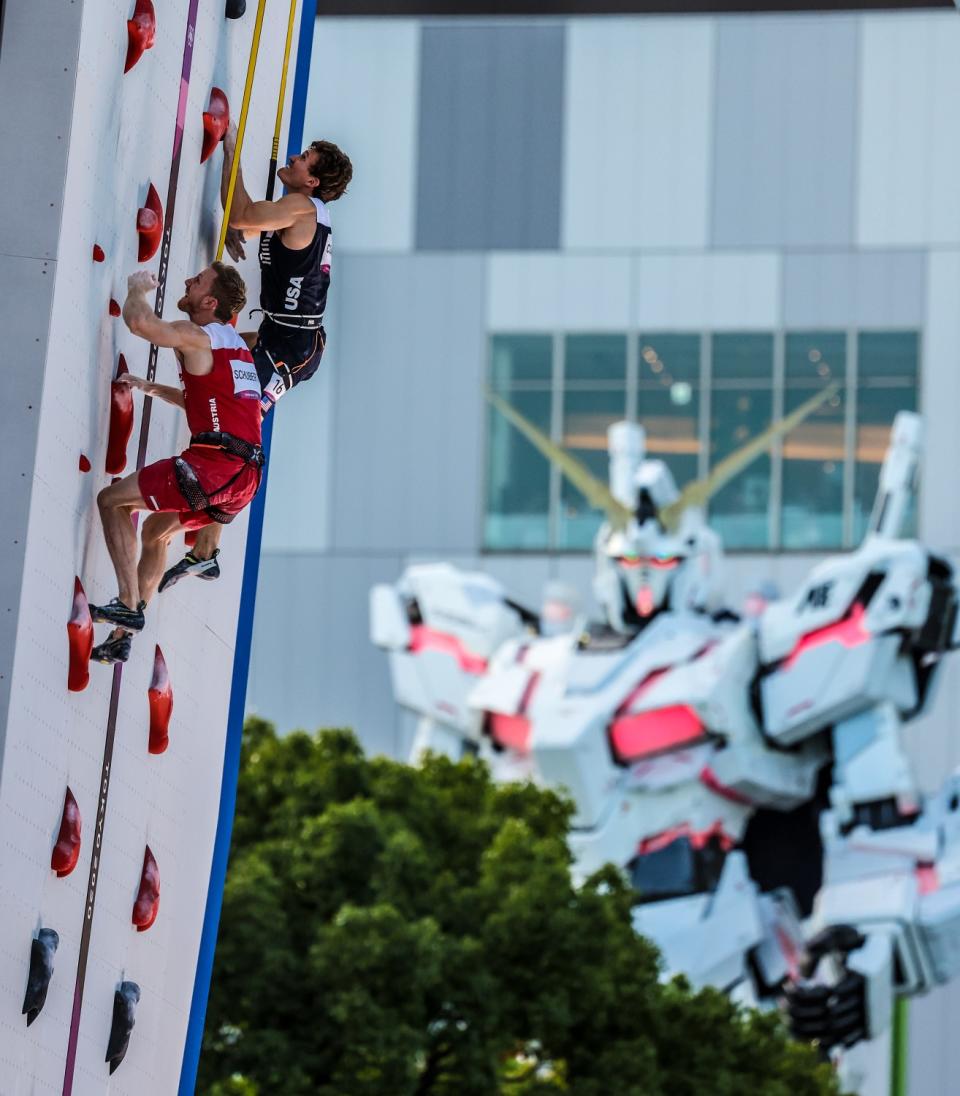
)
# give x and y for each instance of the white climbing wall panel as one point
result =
(91, 166)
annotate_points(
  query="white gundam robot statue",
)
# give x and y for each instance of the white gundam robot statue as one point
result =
(744, 773)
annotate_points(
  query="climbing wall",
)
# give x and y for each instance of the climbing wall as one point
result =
(96, 140)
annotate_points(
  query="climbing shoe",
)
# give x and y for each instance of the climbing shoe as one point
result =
(115, 612)
(113, 649)
(207, 569)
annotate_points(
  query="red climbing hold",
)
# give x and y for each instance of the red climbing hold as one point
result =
(121, 423)
(160, 695)
(80, 636)
(114, 307)
(141, 32)
(216, 118)
(146, 906)
(66, 852)
(190, 538)
(149, 226)
(98, 255)
(85, 464)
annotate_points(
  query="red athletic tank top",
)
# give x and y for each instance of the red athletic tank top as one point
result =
(228, 397)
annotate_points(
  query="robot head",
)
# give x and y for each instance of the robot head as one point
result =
(646, 567)
(651, 569)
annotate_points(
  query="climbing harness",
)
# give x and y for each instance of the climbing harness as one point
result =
(201, 501)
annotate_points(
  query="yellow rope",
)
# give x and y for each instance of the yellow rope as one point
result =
(241, 127)
(283, 78)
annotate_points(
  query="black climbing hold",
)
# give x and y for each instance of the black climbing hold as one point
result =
(125, 1001)
(236, 8)
(42, 951)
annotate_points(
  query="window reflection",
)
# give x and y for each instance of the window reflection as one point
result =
(518, 477)
(668, 401)
(887, 370)
(594, 397)
(741, 407)
(814, 453)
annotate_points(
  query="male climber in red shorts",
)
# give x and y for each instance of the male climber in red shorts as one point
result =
(216, 476)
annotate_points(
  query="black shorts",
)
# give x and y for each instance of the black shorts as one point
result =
(293, 356)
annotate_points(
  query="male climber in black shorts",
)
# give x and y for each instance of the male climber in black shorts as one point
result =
(295, 258)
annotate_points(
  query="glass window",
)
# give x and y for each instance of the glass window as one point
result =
(594, 397)
(887, 378)
(829, 467)
(741, 406)
(814, 453)
(518, 477)
(668, 401)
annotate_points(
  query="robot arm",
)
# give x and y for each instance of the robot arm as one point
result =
(441, 627)
(887, 919)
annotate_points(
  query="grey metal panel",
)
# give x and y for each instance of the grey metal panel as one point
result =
(407, 449)
(332, 676)
(785, 141)
(38, 68)
(490, 140)
(26, 291)
(865, 289)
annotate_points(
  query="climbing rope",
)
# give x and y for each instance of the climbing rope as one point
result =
(242, 126)
(275, 150)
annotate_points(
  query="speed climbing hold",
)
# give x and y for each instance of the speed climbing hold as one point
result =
(141, 32)
(42, 950)
(235, 8)
(84, 463)
(160, 696)
(216, 118)
(98, 255)
(66, 852)
(80, 638)
(149, 225)
(125, 1001)
(114, 308)
(147, 903)
(121, 423)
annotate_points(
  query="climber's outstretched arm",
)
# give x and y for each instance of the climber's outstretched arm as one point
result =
(166, 392)
(140, 317)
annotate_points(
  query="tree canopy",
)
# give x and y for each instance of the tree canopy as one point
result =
(391, 931)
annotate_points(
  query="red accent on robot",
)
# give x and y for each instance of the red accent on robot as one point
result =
(513, 731)
(80, 638)
(147, 903)
(698, 838)
(160, 696)
(121, 423)
(141, 32)
(850, 631)
(66, 852)
(149, 226)
(216, 119)
(635, 735)
(423, 638)
(657, 731)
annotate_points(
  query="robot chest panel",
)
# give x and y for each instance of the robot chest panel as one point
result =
(659, 707)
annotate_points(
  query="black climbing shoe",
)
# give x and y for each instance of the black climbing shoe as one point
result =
(115, 612)
(207, 569)
(113, 649)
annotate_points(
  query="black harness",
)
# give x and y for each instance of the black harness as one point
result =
(189, 483)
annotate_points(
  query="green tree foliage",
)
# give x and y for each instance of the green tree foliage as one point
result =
(390, 931)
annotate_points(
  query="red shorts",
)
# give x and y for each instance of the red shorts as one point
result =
(161, 492)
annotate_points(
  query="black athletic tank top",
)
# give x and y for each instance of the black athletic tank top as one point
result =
(293, 284)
